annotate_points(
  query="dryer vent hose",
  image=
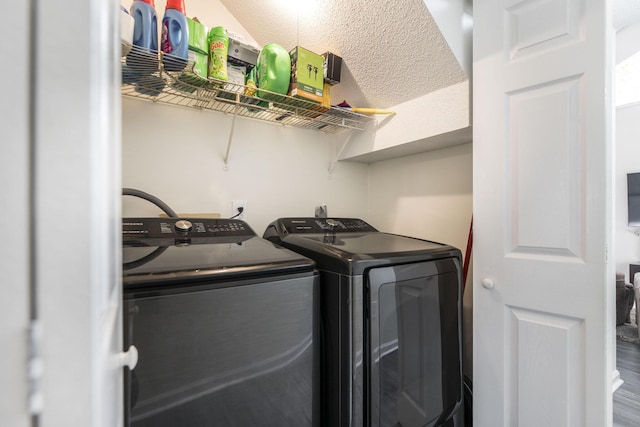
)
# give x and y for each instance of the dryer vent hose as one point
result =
(150, 198)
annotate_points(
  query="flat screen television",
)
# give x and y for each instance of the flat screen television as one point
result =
(633, 199)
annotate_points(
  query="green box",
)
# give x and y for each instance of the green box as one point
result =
(195, 75)
(307, 75)
(197, 36)
(198, 63)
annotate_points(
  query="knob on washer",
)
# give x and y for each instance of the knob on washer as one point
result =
(183, 225)
(332, 223)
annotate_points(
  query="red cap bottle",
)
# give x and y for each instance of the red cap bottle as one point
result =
(175, 4)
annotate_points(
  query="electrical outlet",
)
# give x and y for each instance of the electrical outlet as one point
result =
(235, 209)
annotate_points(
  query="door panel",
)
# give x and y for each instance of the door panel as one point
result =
(534, 27)
(530, 335)
(542, 166)
(546, 209)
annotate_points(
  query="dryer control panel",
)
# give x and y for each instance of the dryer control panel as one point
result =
(323, 225)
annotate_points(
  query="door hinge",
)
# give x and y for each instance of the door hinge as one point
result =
(35, 367)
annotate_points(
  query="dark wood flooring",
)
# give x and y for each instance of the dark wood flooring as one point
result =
(626, 400)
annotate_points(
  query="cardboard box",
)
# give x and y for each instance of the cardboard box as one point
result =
(332, 67)
(235, 84)
(196, 73)
(198, 63)
(307, 76)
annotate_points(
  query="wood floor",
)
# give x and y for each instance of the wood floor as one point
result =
(626, 400)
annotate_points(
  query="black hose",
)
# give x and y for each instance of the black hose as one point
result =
(153, 199)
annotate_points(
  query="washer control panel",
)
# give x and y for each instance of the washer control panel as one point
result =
(324, 225)
(154, 228)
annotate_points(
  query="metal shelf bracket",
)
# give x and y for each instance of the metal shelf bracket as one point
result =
(233, 126)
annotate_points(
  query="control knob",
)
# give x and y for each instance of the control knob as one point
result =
(332, 223)
(183, 226)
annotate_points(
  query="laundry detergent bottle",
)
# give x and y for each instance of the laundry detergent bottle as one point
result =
(144, 55)
(273, 71)
(175, 36)
(218, 41)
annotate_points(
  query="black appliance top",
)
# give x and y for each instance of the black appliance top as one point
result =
(350, 246)
(170, 251)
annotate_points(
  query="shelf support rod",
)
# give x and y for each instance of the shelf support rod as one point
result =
(335, 162)
(233, 126)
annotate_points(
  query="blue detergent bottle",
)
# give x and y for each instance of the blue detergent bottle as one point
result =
(143, 57)
(175, 37)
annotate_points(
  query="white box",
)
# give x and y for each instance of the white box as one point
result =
(126, 31)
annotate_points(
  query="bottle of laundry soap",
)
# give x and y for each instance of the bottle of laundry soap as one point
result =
(143, 57)
(218, 40)
(175, 36)
(273, 71)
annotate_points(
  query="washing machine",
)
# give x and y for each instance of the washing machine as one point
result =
(391, 323)
(226, 325)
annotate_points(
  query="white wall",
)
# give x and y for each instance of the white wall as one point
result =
(435, 120)
(627, 160)
(425, 195)
(627, 42)
(455, 21)
(428, 195)
(177, 155)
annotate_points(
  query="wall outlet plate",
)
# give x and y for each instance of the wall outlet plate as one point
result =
(321, 211)
(235, 205)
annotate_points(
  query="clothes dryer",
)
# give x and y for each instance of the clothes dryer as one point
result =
(391, 322)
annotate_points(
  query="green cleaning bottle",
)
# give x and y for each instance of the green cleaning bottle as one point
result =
(218, 41)
(273, 71)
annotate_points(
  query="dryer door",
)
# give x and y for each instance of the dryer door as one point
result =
(414, 345)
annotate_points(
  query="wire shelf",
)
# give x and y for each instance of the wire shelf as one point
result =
(151, 75)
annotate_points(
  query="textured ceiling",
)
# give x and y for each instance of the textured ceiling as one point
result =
(392, 51)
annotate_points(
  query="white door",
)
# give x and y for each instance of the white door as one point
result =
(14, 205)
(77, 211)
(543, 321)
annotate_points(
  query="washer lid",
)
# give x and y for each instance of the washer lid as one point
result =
(347, 249)
(216, 252)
